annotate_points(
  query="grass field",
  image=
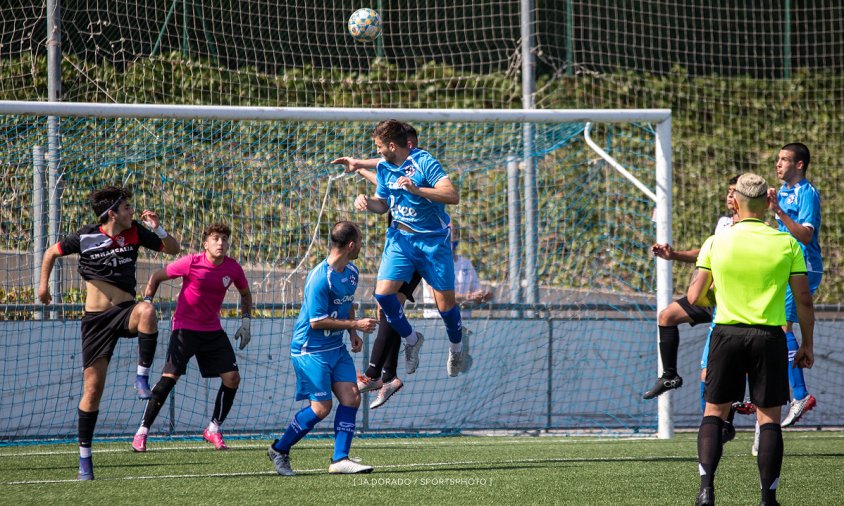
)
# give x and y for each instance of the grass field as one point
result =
(430, 470)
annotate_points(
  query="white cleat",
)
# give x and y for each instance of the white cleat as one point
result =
(454, 363)
(798, 409)
(348, 466)
(411, 354)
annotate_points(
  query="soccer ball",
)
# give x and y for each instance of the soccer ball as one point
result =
(365, 25)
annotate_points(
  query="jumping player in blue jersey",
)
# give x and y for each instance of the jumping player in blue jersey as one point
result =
(381, 373)
(413, 186)
(797, 207)
(320, 358)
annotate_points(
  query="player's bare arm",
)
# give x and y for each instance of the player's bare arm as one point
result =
(668, 253)
(47, 264)
(371, 203)
(155, 279)
(699, 286)
(245, 303)
(800, 232)
(443, 192)
(805, 357)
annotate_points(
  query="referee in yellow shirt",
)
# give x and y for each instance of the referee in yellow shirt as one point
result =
(750, 265)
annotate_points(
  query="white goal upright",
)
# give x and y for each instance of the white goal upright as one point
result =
(560, 230)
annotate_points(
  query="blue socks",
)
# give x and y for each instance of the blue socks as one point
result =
(453, 324)
(795, 374)
(302, 423)
(394, 313)
(344, 431)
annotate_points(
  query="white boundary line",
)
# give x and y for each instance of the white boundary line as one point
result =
(414, 465)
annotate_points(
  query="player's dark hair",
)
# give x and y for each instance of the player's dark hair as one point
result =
(107, 199)
(216, 228)
(801, 153)
(391, 130)
(344, 232)
(411, 132)
(734, 179)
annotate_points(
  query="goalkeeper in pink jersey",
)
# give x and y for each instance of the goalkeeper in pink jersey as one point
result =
(206, 277)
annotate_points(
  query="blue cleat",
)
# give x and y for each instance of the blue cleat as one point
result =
(86, 469)
(142, 386)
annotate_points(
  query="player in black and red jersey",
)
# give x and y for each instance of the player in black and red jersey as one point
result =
(108, 252)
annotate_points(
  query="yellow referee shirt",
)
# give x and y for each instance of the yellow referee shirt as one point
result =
(750, 264)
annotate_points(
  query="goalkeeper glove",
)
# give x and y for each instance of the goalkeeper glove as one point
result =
(243, 332)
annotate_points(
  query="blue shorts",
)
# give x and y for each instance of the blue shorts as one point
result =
(429, 254)
(316, 373)
(790, 306)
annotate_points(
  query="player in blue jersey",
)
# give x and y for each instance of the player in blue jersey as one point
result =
(381, 373)
(797, 207)
(319, 356)
(413, 186)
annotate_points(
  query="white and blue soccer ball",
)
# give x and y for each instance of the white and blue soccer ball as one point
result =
(365, 25)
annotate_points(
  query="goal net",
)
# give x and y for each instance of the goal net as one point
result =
(575, 360)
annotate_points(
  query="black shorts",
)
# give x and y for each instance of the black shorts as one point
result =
(698, 314)
(410, 287)
(755, 352)
(213, 351)
(102, 329)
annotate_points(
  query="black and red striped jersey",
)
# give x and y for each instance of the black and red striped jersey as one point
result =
(110, 259)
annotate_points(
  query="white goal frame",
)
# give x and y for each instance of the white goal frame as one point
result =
(660, 117)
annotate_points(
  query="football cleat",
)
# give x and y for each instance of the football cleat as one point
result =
(139, 443)
(348, 466)
(798, 409)
(467, 359)
(365, 383)
(706, 497)
(663, 384)
(216, 439)
(142, 386)
(86, 469)
(454, 363)
(281, 461)
(386, 391)
(411, 354)
(744, 408)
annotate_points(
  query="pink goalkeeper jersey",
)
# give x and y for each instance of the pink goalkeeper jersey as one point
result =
(204, 287)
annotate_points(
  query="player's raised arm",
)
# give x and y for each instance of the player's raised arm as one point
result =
(171, 245)
(668, 253)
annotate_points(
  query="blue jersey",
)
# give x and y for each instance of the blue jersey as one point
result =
(802, 203)
(418, 213)
(328, 294)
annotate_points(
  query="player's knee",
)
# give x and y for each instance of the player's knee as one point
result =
(231, 379)
(321, 409)
(146, 313)
(666, 316)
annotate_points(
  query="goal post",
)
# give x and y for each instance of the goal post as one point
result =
(265, 170)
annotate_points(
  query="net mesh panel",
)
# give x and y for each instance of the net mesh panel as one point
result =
(271, 181)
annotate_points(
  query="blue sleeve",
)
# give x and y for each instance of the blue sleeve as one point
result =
(381, 189)
(317, 297)
(810, 210)
(433, 171)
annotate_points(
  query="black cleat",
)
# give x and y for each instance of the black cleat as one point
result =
(663, 384)
(706, 497)
(728, 433)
